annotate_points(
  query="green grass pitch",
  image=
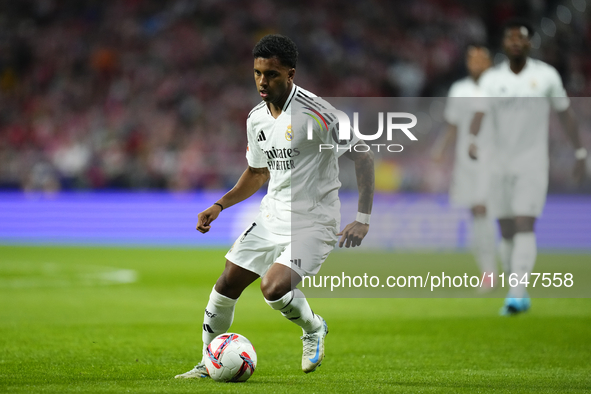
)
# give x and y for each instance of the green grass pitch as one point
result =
(69, 322)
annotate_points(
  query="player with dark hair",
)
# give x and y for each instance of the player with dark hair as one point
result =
(519, 95)
(274, 45)
(299, 216)
(470, 179)
(520, 24)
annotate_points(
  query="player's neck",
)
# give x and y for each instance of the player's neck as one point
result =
(276, 108)
(517, 64)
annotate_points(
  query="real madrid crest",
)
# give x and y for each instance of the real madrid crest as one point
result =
(289, 133)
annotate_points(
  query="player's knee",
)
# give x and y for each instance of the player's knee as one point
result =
(273, 290)
(226, 288)
(478, 210)
(221, 286)
(524, 224)
(507, 233)
(507, 227)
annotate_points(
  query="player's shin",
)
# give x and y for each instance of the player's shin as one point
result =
(218, 316)
(505, 253)
(295, 308)
(484, 244)
(523, 260)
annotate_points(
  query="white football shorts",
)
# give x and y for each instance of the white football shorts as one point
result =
(519, 194)
(470, 185)
(256, 249)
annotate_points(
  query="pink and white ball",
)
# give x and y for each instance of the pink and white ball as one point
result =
(230, 358)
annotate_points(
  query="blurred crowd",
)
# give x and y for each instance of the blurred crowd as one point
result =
(153, 94)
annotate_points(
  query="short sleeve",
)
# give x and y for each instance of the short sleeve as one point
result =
(556, 93)
(329, 134)
(326, 126)
(254, 155)
(483, 99)
(451, 112)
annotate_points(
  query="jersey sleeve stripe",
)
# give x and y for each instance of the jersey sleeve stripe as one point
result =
(302, 93)
(311, 102)
(317, 106)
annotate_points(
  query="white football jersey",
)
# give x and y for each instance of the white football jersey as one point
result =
(304, 183)
(470, 178)
(519, 105)
(459, 111)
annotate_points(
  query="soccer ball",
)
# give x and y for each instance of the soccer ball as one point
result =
(230, 358)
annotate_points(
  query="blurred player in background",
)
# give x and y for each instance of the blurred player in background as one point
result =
(519, 95)
(299, 216)
(470, 179)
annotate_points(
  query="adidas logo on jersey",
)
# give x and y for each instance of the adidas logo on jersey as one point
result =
(261, 137)
(297, 262)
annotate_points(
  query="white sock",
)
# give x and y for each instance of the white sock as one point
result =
(523, 260)
(505, 252)
(218, 316)
(484, 244)
(295, 308)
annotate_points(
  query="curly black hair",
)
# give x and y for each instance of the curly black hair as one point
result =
(276, 45)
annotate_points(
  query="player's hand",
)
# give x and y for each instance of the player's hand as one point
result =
(580, 170)
(205, 218)
(473, 151)
(353, 234)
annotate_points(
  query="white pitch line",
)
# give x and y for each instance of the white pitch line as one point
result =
(26, 274)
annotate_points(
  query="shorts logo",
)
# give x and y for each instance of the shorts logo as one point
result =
(297, 262)
(289, 133)
(247, 231)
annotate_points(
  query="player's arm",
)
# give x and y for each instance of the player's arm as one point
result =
(354, 232)
(571, 128)
(453, 108)
(251, 180)
(441, 144)
(475, 126)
